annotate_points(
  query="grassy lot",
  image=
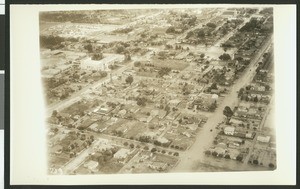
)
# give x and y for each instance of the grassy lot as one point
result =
(134, 129)
(82, 170)
(79, 107)
(86, 123)
(173, 64)
(183, 143)
(57, 161)
(179, 141)
(114, 126)
(166, 159)
(147, 74)
(112, 166)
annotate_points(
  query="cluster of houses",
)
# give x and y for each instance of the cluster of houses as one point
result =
(158, 107)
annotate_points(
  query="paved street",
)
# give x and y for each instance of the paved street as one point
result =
(205, 138)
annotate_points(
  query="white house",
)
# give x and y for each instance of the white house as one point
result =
(229, 130)
(264, 139)
(91, 165)
(122, 153)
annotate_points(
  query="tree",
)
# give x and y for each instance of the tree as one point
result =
(97, 56)
(189, 34)
(248, 87)
(171, 29)
(214, 86)
(212, 107)
(207, 152)
(241, 92)
(202, 55)
(176, 154)
(55, 130)
(211, 25)
(92, 137)
(129, 79)
(141, 101)
(225, 57)
(239, 157)
(215, 154)
(103, 73)
(227, 112)
(137, 64)
(127, 57)
(54, 113)
(167, 108)
(153, 150)
(255, 99)
(164, 71)
(146, 148)
(89, 47)
(200, 34)
(255, 162)
(271, 165)
(120, 49)
(51, 42)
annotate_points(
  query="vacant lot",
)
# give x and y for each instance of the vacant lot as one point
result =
(79, 107)
(173, 64)
(57, 161)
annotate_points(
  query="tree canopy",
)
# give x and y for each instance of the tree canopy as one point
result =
(227, 112)
(225, 57)
(129, 79)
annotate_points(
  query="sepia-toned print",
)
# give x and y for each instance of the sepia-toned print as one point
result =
(158, 90)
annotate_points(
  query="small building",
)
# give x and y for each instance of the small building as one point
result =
(102, 145)
(162, 140)
(122, 153)
(250, 135)
(122, 113)
(160, 166)
(94, 127)
(229, 130)
(174, 102)
(162, 114)
(91, 165)
(187, 134)
(58, 149)
(235, 121)
(264, 139)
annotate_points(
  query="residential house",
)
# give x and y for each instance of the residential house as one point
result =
(229, 130)
(162, 114)
(162, 140)
(102, 145)
(57, 149)
(159, 166)
(122, 154)
(264, 139)
(91, 165)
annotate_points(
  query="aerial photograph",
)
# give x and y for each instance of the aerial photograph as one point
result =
(172, 90)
